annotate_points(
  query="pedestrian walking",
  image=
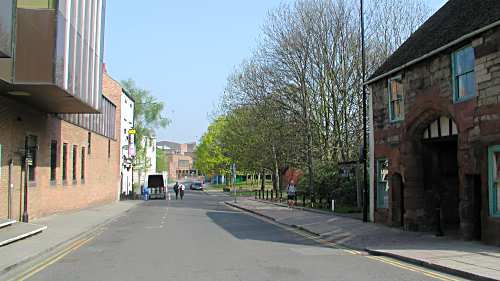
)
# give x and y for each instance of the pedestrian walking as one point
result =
(176, 190)
(181, 190)
(291, 192)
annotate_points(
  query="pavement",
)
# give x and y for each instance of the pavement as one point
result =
(62, 229)
(471, 260)
(201, 238)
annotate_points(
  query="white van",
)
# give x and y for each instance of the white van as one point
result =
(156, 187)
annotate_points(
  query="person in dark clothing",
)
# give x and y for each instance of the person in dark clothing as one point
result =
(176, 190)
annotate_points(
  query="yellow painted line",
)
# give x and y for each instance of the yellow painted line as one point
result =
(48, 262)
(412, 268)
(386, 260)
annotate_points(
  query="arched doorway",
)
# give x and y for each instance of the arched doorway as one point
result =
(439, 149)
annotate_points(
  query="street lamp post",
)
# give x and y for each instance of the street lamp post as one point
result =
(233, 171)
(27, 158)
(365, 142)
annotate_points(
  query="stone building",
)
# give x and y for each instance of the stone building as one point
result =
(436, 126)
(59, 146)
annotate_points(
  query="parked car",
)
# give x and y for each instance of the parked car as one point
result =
(156, 186)
(197, 186)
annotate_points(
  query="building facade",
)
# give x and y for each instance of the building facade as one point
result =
(146, 166)
(436, 126)
(127, 145)
(180, 159)
(59, 149)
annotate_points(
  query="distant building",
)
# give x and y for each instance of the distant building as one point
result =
(180, 158)
(127, 144)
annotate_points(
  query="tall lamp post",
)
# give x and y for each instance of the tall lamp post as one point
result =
(365, 142)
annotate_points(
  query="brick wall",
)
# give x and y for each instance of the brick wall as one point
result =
(427, 96)
(102, 176)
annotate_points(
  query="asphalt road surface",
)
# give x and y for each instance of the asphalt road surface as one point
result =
(200, 238)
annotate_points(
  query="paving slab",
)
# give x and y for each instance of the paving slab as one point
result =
(18, 231)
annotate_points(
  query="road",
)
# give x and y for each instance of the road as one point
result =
(200, 238)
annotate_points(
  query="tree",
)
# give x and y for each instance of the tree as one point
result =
(298, 100)
(161, 161)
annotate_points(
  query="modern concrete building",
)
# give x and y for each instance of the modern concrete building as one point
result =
(59, 147)
(436, 126)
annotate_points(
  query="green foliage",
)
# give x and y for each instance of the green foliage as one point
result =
(212, 158)
(147, 118)
(161, 161)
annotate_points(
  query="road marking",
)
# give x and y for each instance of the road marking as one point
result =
(385, 260)
(412, 268)
(48, 262)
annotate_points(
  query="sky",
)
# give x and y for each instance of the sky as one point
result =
(183, 52)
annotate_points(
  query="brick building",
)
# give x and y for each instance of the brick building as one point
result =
(58, 125)
(180, 158)
(436, 126)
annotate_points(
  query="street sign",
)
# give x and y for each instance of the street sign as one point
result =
(132, 132)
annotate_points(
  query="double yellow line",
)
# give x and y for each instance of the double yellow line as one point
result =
(53, 259)
(385, 260)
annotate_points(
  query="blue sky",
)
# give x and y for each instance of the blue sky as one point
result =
(183, 52)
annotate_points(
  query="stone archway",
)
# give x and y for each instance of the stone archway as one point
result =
(429, 169)
(441, 176)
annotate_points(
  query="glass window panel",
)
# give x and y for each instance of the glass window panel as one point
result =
(65, 162)
(383, 184)
(6, 18)
(53, 160)
(37, 4)
(82, 165)
(31, 148)
(496, 163)
(464, 61)
(466, 85)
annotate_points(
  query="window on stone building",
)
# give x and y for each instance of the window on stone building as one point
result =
(464, 77)
(65, 162)
(31, 144)
(396, 103)
(382, 183)
(53, 160)
(73, 166)
(82, 166)
(494, 180)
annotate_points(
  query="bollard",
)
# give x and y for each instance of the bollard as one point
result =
(267, 194)
(259, 193)
(255, 194)
(272, 191)
(304, 199)
(281, 196)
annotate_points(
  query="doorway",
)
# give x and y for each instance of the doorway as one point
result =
(441, 184)
(398, 207)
